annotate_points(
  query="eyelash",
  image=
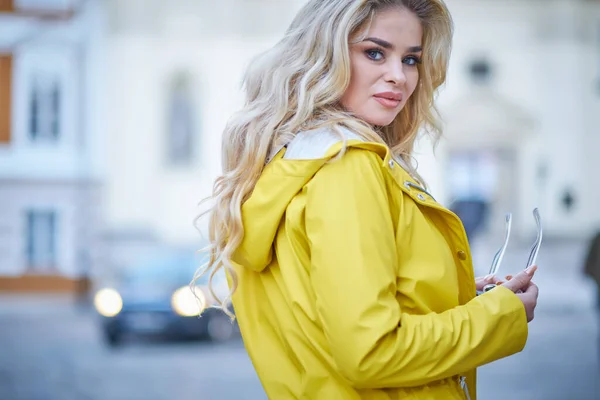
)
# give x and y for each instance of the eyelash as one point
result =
(417, 60)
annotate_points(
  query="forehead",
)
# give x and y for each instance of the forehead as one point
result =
(397, 25)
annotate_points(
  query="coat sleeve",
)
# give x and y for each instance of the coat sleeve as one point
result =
(353, 273)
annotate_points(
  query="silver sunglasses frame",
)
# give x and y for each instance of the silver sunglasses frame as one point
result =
(533, 252)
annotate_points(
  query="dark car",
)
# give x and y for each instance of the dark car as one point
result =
(153, 297)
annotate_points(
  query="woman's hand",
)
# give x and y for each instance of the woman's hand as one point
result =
(520, 284)
(525, 289)
(481, 281)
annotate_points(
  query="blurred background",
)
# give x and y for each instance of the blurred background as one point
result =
(111, 113)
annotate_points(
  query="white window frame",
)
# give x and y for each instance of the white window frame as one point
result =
(46, 66)
(44, 123)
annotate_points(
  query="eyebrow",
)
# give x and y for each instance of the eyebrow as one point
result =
(388, 45)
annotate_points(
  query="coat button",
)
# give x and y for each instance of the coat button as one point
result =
(421, 197)
(461, 255)
(391, 163)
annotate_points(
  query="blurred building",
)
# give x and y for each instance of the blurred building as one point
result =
(519, 108)
(112, 132)
(521, 114)
(174, 72)
(49, 180)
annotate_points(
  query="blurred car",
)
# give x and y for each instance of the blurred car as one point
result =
(154, 297)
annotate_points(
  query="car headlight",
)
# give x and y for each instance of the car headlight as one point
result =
(187, 303)
(108, 302)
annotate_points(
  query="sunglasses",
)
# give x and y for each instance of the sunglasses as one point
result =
(533, 253)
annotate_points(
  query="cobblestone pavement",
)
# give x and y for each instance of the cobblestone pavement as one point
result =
(51, 350)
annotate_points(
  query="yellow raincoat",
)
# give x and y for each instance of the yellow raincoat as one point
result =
(355, 284)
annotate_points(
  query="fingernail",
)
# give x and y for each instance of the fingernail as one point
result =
(530, 270)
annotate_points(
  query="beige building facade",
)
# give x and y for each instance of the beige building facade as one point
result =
(149, 86)
(50, 191)
(520, 107)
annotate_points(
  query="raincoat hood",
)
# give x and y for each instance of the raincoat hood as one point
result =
(280, 181)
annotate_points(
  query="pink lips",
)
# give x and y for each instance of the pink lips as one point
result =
(388, 99)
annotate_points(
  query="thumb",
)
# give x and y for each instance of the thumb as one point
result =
(521, 280)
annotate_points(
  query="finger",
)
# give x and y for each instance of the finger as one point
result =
(488, 279)
(481, 281)
(533, 289)
(531, 269)
(521, 280)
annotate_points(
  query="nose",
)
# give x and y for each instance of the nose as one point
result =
(395, 73)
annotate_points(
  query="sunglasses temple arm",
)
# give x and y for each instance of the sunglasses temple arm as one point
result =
(497, 260)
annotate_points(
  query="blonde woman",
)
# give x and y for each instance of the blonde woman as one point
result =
(349, 281)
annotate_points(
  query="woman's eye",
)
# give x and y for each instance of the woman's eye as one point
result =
(374, 54)
(412, 60)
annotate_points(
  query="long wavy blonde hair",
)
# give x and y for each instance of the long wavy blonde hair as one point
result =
(297, 85)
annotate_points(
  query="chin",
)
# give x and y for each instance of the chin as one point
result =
(380, 119)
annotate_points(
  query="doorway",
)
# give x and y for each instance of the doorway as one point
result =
(482, 188)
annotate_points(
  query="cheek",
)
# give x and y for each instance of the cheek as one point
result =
(413, 81)
(366, 74)
(358, 87)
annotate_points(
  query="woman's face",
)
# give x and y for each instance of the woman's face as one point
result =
(384, 70)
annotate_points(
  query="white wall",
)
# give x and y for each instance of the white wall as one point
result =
(142, 190)
(149, 42)
(591, 105)
(93, 25)
(540, 62)
(541, 66)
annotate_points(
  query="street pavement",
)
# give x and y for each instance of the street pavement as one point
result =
(561, 358)
(56, 352)
(51, 349)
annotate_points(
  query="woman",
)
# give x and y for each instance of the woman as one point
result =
(349, 281)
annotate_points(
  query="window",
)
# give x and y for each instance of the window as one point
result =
(5, 98)
(180, 127)
(44, 109)
(480, 71)
(41, 240)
